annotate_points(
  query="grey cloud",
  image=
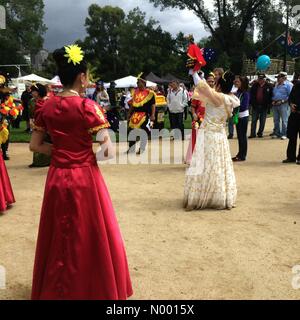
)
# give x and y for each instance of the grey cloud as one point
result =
(65, 19)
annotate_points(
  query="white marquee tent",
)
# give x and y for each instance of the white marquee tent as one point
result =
(56, 81)
(128, 82)
(34, 78)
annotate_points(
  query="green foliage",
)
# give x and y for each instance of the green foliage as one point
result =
(228, 23)
(24, 32)
(118, 45)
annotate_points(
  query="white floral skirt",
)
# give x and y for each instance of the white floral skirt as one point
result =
(210, 180)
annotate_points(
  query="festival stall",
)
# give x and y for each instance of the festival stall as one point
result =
(129, 82)
(33, 78)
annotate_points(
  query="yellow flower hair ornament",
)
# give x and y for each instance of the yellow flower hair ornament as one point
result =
(74, 54)
(223, 76)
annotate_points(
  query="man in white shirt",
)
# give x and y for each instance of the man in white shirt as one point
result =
(177, 100)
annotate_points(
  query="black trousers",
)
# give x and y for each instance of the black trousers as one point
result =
(293, 131)
(141, 135)
(260, 113)
(176, 121)
(241, 129)
(16, 123)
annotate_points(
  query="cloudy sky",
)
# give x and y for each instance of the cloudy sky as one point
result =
(65, 19)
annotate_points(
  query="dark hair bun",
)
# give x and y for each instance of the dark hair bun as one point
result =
(226, 82)
(67, 71)
(229, 76)
(59, 57)
(40, 89)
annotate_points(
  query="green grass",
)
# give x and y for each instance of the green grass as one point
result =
(19, 135)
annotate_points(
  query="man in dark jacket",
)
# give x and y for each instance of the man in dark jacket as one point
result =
(261, 102)
(293, 129)
(26, 97)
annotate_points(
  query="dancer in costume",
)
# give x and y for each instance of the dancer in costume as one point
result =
(141, 115)
(80, 252)
(6, 192)
(9, 112)
(40, 95)
(196, 60)
(210, 180)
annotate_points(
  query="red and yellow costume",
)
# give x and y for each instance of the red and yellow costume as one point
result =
(9, 109)
(196, 60)
(142, 102)
(6, 192)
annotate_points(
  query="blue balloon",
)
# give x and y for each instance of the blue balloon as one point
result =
(263, 63)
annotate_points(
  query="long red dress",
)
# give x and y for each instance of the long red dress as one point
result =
(6, 193)
(200, 111)
(80, 253)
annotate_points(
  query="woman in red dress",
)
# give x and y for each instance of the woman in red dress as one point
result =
(198, 113)
(80, 252)
(6, 193)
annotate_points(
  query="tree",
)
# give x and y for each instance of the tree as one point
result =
(24, 32)
(103, 28)
(144, 45)
(118, 45)
(228, 23)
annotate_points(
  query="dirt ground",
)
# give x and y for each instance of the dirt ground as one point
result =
(246, 253)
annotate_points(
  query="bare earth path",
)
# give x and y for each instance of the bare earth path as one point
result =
(246, 253)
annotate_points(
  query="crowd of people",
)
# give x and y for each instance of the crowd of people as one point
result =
(259, 99)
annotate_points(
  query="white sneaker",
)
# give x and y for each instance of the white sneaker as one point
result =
(283, 138)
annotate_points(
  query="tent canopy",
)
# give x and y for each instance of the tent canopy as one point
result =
(170, 77)
(129, 82)
(35, 78)
(56, 81)
(154, 78)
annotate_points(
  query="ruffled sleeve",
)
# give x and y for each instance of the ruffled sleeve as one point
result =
(39, 123)
(231, 102)
(94, 117)
(38, 108)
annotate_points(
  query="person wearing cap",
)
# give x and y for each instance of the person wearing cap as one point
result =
(261, 101)
(281, 108)
(293, 130)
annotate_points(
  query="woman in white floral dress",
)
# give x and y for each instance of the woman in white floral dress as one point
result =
(210, 180)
